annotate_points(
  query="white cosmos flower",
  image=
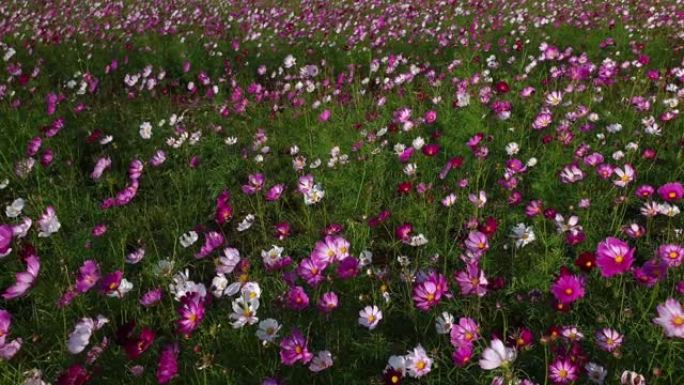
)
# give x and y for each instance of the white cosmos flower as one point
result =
(512, 148)
(188, 239)
(145, 130)
(370, 316)
(444, 323)
(268, 330)
(397, 363)
(321, 361)
(124, 287)
(246, 223)
(79, 338)
(49, 223)
(418, 363)
(523, 235)
(289, 61)
(14, 210)
(496, 355)
(244, 312)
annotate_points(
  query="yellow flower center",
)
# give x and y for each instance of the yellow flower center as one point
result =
(430, 297)
(673, 255)
(672, 195)
(678, 321)
(568, 291)
(625, 178)
(298, 349)
(619, 259)
(469, 336)
(563, 373)
(481, 245)
(395, 379)
(371, 318)
(420, 365)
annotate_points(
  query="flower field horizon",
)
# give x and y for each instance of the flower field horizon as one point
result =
(344, 192)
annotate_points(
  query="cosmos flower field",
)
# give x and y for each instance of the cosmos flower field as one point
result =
(342, 192)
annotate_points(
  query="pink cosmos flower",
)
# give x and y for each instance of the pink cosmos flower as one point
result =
(671, 318)
(563, 371)
(212, 241)
(472, 280)
(608, 339)
(311, 271)
(465, 332)
(151, 297)
(255, 182)
(274, 193)
(613, 256)
(328, 302)
(294, 348)
(428, 293)
(7, 348)
(477, 242)
(24, 279)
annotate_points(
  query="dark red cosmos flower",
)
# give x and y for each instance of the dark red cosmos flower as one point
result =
(431, 149)
(586, 261)
(392, 377)
(74, 375)
(489, 226)
(404, 188)
(135, 347)
(502, 87)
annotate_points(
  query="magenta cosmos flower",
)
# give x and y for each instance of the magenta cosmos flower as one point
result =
(671, 192)
(671, 254)
(614, 256)
(6, 234)
(297, 298)
(671, 318)
(88, 275)
(167, 368)
(190, 313)
(568, 288)
(294, 348)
